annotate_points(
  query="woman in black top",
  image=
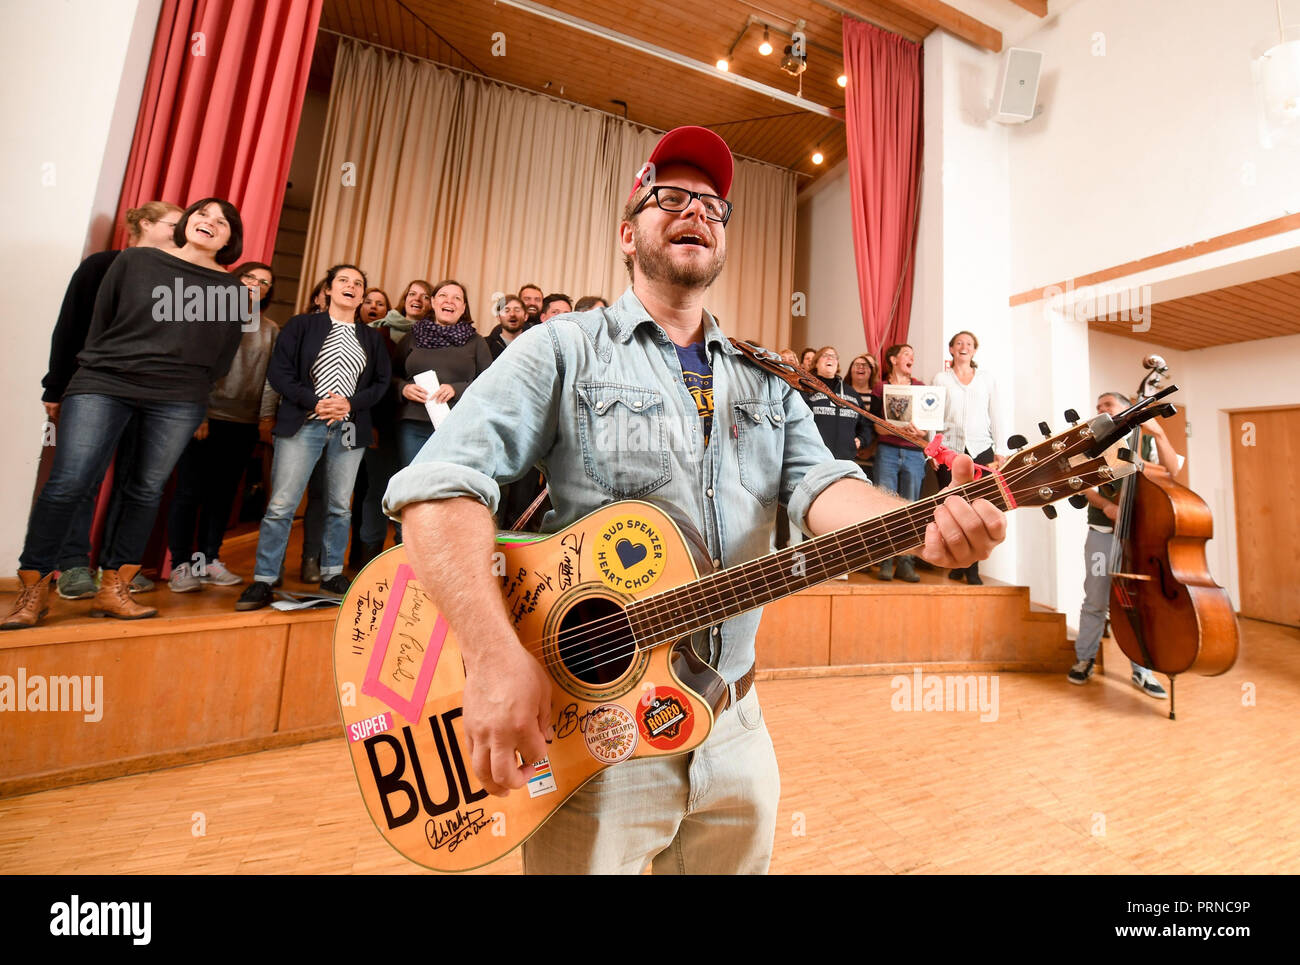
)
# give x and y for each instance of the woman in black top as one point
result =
(152, 225)
(330, 369)
(842, 429)
(165, 327)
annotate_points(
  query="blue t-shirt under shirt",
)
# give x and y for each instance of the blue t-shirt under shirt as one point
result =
(698, 374)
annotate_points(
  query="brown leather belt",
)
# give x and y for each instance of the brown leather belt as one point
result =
(741, 687)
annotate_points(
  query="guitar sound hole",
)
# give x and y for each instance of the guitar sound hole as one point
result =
(595, 641)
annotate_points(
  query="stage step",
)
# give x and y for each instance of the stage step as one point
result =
(863, 625)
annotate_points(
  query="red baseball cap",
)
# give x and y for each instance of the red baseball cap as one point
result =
(696, 146)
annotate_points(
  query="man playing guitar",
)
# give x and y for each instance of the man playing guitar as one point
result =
(643, 400)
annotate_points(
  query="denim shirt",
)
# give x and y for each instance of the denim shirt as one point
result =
(597, 399)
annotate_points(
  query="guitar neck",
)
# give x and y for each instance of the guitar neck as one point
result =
(719, 596)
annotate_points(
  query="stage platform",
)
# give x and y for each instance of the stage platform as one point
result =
(202, 681)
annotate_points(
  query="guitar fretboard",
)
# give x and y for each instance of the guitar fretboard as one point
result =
(719, 596)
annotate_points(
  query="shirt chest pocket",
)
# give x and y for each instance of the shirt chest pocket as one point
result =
(760, 447)
(621, 430)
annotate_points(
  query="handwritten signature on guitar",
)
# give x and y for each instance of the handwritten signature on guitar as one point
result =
(454, 831)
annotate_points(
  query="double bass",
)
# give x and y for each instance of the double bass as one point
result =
(1167, 612)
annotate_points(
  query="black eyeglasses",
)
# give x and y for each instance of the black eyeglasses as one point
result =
(674, 199)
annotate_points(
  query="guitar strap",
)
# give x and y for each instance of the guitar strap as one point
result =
(797, 378)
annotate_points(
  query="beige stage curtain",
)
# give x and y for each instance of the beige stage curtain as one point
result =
(429, 173)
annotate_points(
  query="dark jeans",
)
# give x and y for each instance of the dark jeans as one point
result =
(380, 465)
(985, 458)
(90, 427)
(76, 547)
(207, 480)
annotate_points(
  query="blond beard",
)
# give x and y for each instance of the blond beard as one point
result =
(656, 265)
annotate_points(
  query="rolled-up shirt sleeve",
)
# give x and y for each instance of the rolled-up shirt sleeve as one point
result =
(504, 424)
(808, 467)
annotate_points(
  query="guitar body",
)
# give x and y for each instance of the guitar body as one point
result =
(400, 681)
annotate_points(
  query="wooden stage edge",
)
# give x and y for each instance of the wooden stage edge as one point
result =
(202, 681)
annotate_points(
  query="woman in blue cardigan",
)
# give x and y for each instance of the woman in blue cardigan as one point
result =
(330, 370)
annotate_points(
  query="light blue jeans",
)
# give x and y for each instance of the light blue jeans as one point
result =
(295, 458)
(900, 470)
(710, 812)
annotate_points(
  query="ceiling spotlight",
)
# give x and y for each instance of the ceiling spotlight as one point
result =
(793, 63)
(722, 64)
(765, 47)
(817, 157)
(842, 80)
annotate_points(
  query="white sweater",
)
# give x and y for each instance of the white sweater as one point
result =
(973, 416)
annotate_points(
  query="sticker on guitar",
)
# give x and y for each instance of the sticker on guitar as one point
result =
(610, 733)
(404, 658)
(629, 554)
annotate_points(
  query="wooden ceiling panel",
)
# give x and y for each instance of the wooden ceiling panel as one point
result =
(1267, 308)
(593, 71)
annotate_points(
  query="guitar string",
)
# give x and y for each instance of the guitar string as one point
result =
(593, 631)
(620, 650)
(744, 575)
(865, 545)
(656, 607)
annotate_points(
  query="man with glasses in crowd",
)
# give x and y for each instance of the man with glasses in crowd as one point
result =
(713, 810)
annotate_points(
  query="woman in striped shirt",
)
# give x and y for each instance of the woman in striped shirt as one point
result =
(330, 369)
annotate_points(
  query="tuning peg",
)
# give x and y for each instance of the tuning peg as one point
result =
(1017, 442)
(1125, 454)
(1045, 429)
(1078, 500)
(1049, 512)
(1072, 417)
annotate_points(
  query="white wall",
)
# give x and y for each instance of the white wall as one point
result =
(825, 268)
(70, 125)
(1152, 145)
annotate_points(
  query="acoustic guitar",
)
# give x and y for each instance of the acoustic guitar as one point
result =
(608, 606)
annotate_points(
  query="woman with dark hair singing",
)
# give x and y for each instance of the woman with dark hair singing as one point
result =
(330, 369)
(165, 327)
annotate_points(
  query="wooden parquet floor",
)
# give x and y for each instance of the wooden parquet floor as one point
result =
(1067, 779)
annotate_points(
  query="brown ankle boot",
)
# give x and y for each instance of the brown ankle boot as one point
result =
(32, 603)
(114, 596)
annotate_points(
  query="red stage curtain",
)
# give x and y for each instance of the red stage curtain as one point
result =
(218, 118)
(220, 109)
(883, 126)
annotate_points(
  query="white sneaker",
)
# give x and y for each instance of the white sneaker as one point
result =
(1145, 681)
(183, 580)
(217, 574)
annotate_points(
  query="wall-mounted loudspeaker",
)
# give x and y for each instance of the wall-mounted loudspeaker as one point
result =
(1017, 91)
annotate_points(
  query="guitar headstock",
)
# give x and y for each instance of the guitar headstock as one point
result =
(1069, 463)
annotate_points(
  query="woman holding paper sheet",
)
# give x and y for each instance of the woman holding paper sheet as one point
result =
(330, 369)
(446, 345)
(900, 465)
(972, 419)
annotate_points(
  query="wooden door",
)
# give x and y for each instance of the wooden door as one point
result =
(1265, 464)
